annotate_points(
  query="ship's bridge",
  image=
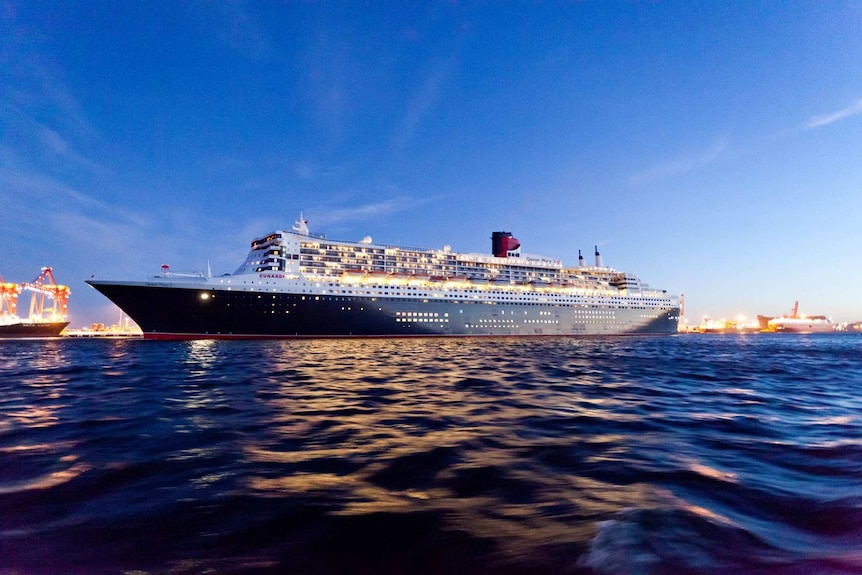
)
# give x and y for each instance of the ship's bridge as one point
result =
(627, 283)
(275, 252)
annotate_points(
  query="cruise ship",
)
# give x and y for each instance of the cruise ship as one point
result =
(294, 283)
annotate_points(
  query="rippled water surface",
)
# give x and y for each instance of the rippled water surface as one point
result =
(690, 454)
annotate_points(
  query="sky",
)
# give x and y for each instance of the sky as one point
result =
(712, 148)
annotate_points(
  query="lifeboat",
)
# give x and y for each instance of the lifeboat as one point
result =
(353, 275)
(377, 276)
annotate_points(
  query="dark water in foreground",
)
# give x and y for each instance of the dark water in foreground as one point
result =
(691, 454)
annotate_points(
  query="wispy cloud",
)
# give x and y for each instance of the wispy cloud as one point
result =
(680, 165)
(423, 102)
(50, 139)
(853, 109)
(63, 226)
(366, 211)
(42, 190)
(310, 171)
(241, 31)
(33, 84)
(233, 23)
(88, 234)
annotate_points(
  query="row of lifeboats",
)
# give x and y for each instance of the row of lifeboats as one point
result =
(376, 276)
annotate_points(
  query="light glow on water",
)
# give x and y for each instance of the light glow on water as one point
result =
(426, 455)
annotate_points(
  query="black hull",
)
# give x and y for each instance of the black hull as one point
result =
(200, 312)
(32, 329)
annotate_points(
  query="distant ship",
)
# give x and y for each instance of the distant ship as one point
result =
(795, 323)
(297, 284)
(28, 328)
(48, 308)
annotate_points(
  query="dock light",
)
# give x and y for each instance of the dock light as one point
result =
(205, 295)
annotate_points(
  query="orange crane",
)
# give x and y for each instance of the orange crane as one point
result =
(46, 287)
(9, 298)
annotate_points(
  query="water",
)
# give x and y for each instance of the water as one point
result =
(692, 454)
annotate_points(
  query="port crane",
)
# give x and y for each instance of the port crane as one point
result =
(9, 298)
(45, 287)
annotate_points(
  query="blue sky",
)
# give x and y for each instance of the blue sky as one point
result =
(712, 148)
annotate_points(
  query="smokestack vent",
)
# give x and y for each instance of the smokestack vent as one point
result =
(502, 243)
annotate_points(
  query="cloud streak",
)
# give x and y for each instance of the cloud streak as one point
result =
(36, 187)
(853, 109)
(366, 211)
(680, 165)
(33, 139)
(423, 102)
